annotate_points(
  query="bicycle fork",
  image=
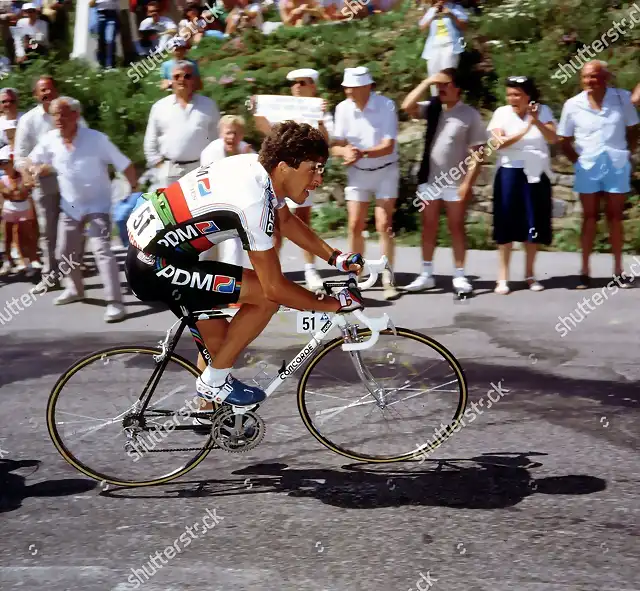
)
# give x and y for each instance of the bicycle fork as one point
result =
(350, 334)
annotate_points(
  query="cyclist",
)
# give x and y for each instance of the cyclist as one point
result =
(240, 196)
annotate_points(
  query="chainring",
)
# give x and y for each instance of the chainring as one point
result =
(225, 435)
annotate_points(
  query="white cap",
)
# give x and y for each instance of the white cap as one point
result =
(354, 77)
(29, 6)
(6, 153)
(8, 124)
(303, 73)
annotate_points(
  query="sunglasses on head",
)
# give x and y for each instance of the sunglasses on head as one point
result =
(300, 82)
(4, 162)
(182, 76)
(517, 79)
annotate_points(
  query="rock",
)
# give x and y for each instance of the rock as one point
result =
(564, 180)
(564, 193)
(560, 208)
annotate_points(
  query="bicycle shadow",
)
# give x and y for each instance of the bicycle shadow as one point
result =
(14, 490)
(496, 481)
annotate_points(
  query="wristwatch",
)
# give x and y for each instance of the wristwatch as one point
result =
(365, 154)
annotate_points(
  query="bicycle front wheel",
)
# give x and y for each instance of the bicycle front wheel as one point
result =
(396, 401)
(94, 420)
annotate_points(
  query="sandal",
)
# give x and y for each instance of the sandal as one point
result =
(585, 282)
(534, 284)
(502, 287)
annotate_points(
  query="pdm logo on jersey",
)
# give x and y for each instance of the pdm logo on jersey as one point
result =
(204, 188)
(206, 227)
(224, 284)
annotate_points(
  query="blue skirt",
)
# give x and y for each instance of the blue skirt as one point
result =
(521, 210)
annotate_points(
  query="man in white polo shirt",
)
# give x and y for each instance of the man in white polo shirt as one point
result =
(80, 157)
(365, 133)
(598, 132)
(303, 83)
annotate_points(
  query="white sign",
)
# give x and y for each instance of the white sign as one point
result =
(282, 108)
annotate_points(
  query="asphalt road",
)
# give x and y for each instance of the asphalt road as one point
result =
(540, 493)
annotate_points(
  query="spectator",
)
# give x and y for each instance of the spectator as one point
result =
(108, 29)
(522, 188)
(244, 16)
(230, 143)
(9, 109)
(139, 8)
(17, 214)
(81, 157)
(31, 34)
(598, 132)
(454, 140)
(180, 126)
(366, 128)
(32, 126)
(179, 49)
(156, 30)
(57, 14)
(192, 26)
(635, 97)
(302, 12)
(446, 22)
(303, 84)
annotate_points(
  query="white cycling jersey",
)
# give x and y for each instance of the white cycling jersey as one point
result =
(231, 198)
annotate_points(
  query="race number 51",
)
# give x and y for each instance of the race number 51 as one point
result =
(311, 321)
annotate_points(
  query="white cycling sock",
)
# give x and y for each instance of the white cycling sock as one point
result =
(215, 377)
(427, 268)
(309, 267)
(459, 272)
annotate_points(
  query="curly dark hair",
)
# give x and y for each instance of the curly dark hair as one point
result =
(292, 143)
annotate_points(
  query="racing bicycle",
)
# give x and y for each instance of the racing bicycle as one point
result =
(374, 393)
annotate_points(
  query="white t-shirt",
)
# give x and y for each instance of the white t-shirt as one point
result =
(215, 151)
(530, 152)
(163, 25)
(231, 198)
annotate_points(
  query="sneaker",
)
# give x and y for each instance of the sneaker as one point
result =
(67, 297)
(232, 392)
(30, 271)
(6, 268)
(534, 284)
(461, 284)
(389, 289)
(421, 282)
(115, 313)
(502, 287)
(313, 280)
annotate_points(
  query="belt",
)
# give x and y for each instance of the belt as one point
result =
(372, 169)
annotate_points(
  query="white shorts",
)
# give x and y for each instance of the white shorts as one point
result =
(364, 184)
(434, 193)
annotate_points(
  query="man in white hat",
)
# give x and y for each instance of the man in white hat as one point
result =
(31, 33)
(303, 84)
(365, 133)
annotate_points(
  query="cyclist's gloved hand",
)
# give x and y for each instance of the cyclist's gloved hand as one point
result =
(350, 299)
(344, 261)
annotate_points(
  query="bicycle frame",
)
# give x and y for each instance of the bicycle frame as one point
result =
(349, 332)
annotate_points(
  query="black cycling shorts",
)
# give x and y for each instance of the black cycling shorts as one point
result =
(182, 281)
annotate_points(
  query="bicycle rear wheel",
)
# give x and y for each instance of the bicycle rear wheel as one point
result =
(422, 393)
(93, 412)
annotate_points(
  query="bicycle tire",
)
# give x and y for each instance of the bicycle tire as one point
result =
(401, 332)
(83, 468)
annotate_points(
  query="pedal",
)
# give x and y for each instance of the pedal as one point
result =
(461, 297)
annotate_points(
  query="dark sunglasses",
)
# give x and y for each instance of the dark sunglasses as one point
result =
(300, 82)
(183, 76)
(517, 79)
(4, 162)
(8, 101)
